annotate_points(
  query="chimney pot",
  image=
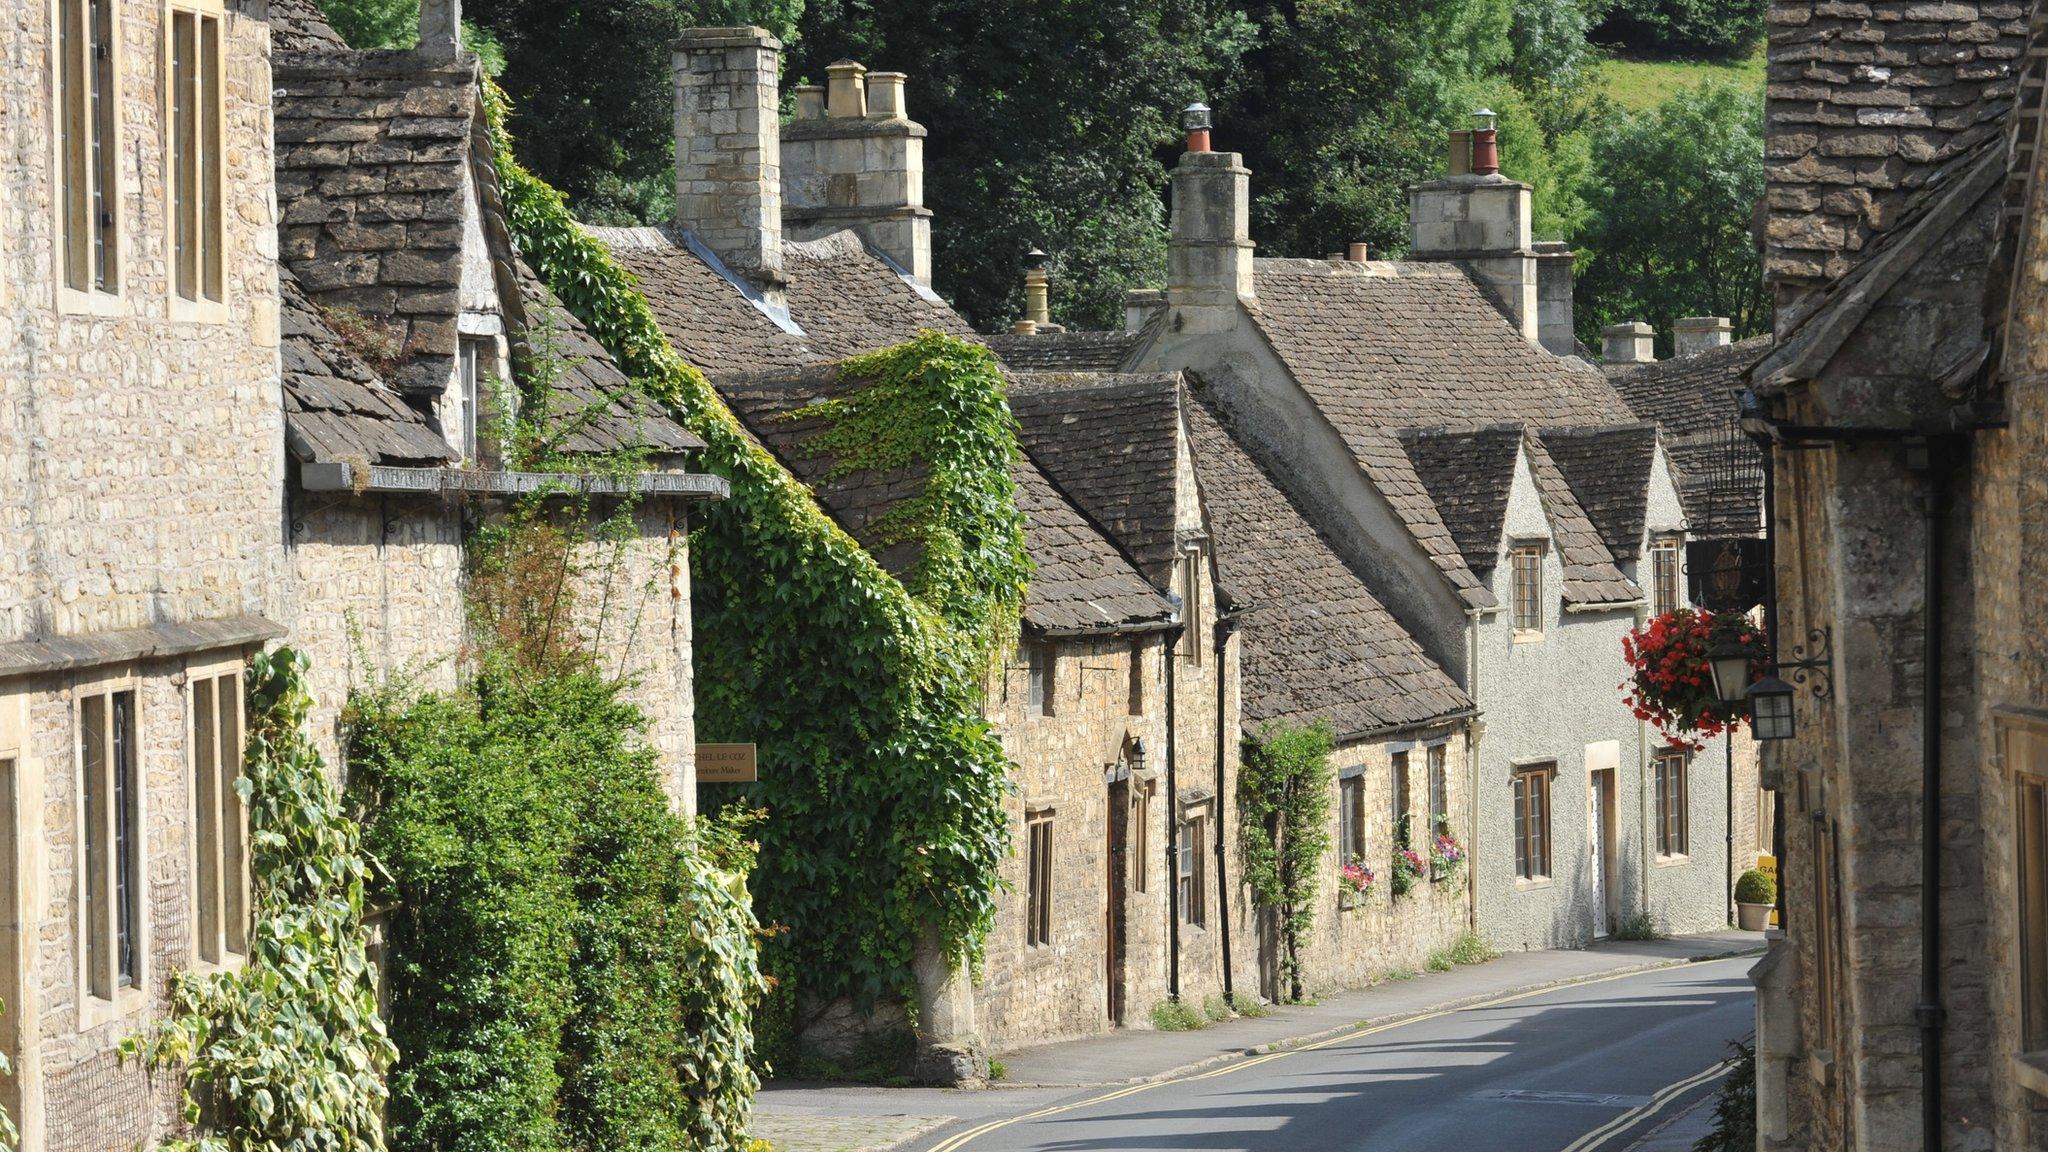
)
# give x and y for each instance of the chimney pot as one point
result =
(441, 28)
(1461, 152)
(1196, 120)
(1630, 342)
(846, 90)
(1037, 293)
(810, 102)
(1359, 252)
(1692, 335)
(885, 96)
(1485, 143)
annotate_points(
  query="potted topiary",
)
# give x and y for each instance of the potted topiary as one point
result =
(1755, 893)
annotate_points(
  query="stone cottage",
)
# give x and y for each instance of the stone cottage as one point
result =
(1354, 381)
(799, 245)
(395, 248)
(1905, 1004)
(141, 551)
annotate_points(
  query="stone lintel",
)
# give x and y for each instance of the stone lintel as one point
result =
(97, 649)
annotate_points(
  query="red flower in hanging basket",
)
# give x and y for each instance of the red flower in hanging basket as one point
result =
(1671, 684)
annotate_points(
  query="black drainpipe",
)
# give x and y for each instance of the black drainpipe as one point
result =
(1921, 458)
(1225, 625)
(1172, 656)
(1771, 638)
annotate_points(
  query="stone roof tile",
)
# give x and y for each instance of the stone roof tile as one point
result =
(1065, 351)
(1469, 474)
(1317, 645)
(337, 410)
(1590, 577)
(1720, 471)
(1113, 443)
(1609, 472)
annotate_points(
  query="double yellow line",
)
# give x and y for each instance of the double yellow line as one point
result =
(1656, 1104)
(1664, 1096)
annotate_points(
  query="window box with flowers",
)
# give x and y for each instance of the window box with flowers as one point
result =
(1671, 682)
(1354, 883)
(1408, 870)
(1446, 855)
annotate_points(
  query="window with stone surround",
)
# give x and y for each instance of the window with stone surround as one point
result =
(219, 824)
(2025, 748)
(1351, 820)
(1664, 587)
(1136, 706)
(1526, 575)
(1532, 821)
(1403, 808)
(1038, 879)
(88, 148)
(1193, 868)
(110, 842)
(194, 153)
(1191, 605)
(1043, 678)
(1439, 789)
(1141, 835)
(1824, 955)
(1674, 811)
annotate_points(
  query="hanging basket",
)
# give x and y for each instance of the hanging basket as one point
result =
(1671, 683)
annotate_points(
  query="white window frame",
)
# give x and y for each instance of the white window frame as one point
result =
(208, 303)
(95, 1009)
(92, 300)
(1538, 555)
(1663, 548)
(223, 943)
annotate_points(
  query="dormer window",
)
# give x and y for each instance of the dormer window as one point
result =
(1526, 576)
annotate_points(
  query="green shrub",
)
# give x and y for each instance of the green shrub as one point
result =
(571, 964)
(1177, 1016)
(1398, 973)
(1721, 29)
(1734, 1107)
(1250, 1008)
(1472, 948)
(1638, 926)
(1216, 1010)
(1440, 961)
(1756, 887)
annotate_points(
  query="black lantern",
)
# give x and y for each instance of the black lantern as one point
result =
(1136, 757)
(1730, 665)
(1770, 709)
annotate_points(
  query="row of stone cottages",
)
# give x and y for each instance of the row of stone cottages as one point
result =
(198, 463)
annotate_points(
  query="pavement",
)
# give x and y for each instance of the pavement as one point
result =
(848, 1118)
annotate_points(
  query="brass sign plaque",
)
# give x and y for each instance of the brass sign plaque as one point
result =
(726, 764)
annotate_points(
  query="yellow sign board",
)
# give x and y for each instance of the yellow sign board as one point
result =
(1768, 865)
(726, 764)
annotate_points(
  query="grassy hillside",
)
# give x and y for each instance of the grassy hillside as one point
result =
(1636, 83)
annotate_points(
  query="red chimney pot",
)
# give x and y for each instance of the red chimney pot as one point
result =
(1198, 140)
(1485, 151)
(1359, 253)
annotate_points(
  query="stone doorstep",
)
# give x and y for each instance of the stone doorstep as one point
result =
(1389, 1019)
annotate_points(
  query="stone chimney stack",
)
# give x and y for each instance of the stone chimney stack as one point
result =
(1140, 305)
(1693, 335)
(1209, 253)
(855, 160)
(1480, 220)
(1631, 342)
(1554, 260)
(441, 28)
(728, 163)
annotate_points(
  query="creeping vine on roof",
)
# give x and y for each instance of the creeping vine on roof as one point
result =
(883, 782)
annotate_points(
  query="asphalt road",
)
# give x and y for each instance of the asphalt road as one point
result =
(1579, 1069)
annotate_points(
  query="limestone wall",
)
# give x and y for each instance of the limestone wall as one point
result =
(141, 482)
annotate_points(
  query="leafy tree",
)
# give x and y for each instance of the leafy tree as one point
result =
(1047, 124)
(1722, 28)
(1669, 231)
(374, 23)
(1283, 789)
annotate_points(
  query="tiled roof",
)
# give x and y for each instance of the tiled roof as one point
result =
(371, 155)
(1316, 644)
(1112, 441)
(1065, 351)
(1695, 394)
(1387, 466)
(1720, 471)
(336, 409)
(594, 408)
(1865, 102)
(1416, 345)
(1469, 475)
(300, 26)
(1079, 582)
(842, 299)
(1590, 577)
(1609, 471)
